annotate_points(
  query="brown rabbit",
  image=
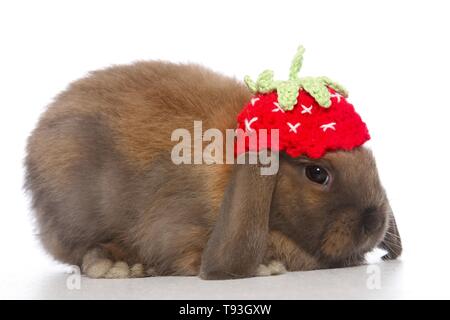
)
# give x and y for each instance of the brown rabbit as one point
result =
(108, 197)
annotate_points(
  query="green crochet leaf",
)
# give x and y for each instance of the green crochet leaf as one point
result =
(265, 81)
(250, 84)
(288, 90)
(317, 90)
(296, 64)
(287, 94)
(335, 86)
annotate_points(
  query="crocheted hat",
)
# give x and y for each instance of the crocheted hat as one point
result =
(312, 115)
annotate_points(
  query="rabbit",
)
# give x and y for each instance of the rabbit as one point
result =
(108, 198)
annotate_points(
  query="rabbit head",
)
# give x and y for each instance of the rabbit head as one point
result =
(334, 207)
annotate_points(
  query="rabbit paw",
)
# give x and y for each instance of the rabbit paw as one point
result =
(273, 268)
(95, 265)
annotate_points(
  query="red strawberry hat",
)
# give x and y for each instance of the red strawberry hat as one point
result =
(312, 115)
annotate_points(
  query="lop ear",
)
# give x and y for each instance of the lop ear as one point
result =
(392, 242)
(238, 241)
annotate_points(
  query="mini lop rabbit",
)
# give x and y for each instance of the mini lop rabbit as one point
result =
(108, 197)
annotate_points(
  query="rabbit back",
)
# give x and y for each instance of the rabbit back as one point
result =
(99, 168)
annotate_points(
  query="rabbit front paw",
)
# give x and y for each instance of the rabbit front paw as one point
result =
(273, 268)
(95, 265)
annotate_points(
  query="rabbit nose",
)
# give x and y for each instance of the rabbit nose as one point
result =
(372, 219)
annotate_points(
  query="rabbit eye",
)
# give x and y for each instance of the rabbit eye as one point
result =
(317, 174)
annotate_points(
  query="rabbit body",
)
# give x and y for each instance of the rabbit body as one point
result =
(104, 188)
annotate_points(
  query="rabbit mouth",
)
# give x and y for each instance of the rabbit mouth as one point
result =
(373, 237)
(342, 243)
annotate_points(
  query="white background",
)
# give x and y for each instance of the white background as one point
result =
(393, 56)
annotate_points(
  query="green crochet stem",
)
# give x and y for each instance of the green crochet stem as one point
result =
(288, 90)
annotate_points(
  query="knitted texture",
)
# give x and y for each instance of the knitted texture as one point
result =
(312, 115)
(308, 129)
(288, 90)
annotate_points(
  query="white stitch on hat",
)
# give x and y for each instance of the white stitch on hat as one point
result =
(306, 109)
(249, 123)
(293, 127)
(253, 100)
(278, 108)
(337, 96)
(327, 126)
